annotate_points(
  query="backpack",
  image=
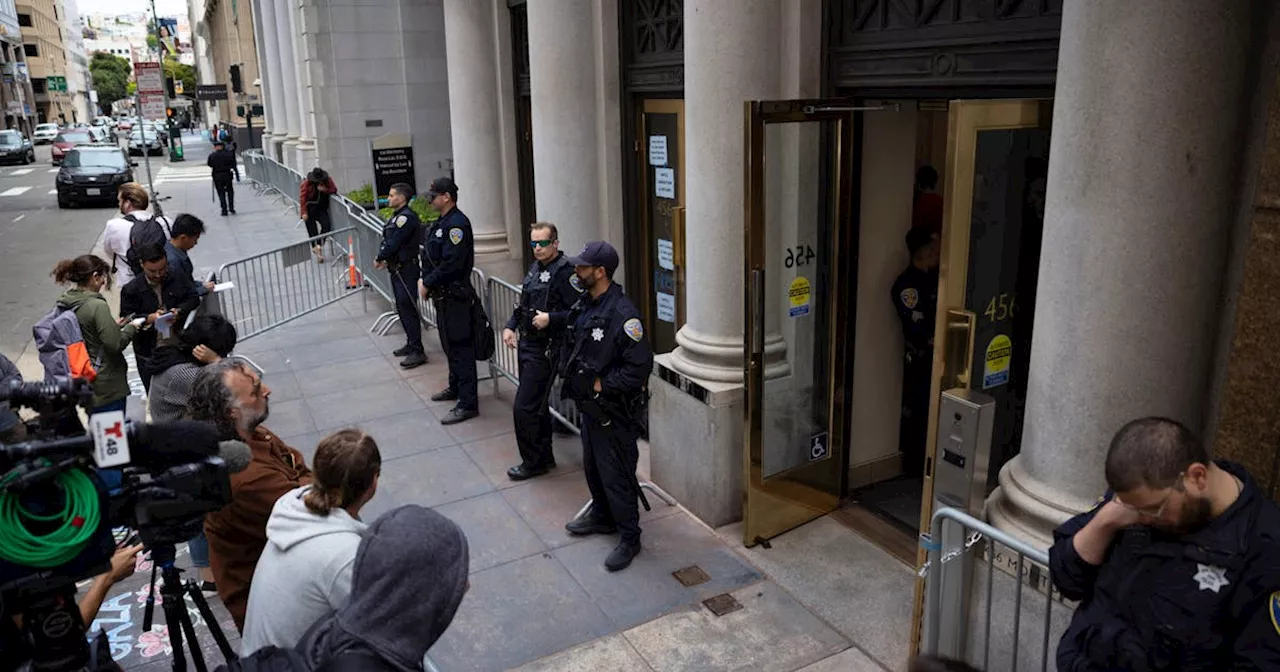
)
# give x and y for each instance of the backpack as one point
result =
(481, 331)
(144, 232)
(61, 346)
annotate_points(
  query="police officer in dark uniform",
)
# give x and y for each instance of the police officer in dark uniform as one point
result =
(448, 255)
(223, 163)
(1178, 566)
(606, 372)
(401, 236)
(915, 297)
(550, 287)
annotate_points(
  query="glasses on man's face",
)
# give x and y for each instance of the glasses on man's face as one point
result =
(1156, 511)
(535, 244)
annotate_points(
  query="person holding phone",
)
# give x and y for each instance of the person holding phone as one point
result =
(164, 298)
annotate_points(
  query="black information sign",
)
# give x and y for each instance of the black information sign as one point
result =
(211, 92)
(392, 165)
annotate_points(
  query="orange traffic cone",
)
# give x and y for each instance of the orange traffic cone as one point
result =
(353, 274)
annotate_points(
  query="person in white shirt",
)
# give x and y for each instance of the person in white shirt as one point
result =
(115, 240)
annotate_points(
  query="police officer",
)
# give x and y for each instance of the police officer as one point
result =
(550, 287)
(401, 236)
(223, 163)
(915, 297)
(448, 255)
(606, 372)
(1178, 566)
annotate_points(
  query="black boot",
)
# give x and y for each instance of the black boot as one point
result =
(622, 556)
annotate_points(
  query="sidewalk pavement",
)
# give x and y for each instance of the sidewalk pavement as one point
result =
(821, 599)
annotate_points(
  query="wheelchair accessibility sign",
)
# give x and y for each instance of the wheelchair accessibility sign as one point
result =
(818, 447)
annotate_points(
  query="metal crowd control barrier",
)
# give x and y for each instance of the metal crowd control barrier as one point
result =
(1030, 561)
(280, 285)
(503, 297)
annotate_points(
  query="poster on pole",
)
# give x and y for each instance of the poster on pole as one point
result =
(392, 163)
(149, 78)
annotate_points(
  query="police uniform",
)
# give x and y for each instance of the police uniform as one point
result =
(223, 165)
(401, 236)
(551, 288)
(1208, 600)
(607, 343)
(915, 298)
(448, 255)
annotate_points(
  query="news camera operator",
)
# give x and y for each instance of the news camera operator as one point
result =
(230, 395)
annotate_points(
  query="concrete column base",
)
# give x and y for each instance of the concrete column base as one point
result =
(1028, 508)
(695, 443)
(305, 156)
(289, 152)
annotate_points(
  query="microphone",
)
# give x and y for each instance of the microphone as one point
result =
(235, 454)
(116, 443)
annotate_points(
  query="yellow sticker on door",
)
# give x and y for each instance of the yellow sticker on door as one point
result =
(996, 370)
(799, 297)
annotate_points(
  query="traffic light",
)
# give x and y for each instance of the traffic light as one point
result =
(168, 87)
(236, 85)
(169, 112)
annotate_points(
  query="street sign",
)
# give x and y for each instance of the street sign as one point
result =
(392, 163)
(152, 105)
(211, 92)
(177, 86)
(150, 79)
(55, 83)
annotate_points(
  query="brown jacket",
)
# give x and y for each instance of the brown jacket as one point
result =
(238, 532)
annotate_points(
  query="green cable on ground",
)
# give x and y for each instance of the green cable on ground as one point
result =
(80, 516)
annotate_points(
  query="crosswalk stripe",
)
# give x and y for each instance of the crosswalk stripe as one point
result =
(51, 170)
(21, 171)
(53, 191)
(15, 191)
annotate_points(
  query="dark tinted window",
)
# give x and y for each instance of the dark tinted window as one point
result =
(10, 138)
(79, 136)
(78, 159)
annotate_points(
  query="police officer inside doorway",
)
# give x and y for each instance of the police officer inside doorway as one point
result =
(401, 236)
(448, 255)
(915, 297)
(223, 164)
(550, 287)
(606, 373)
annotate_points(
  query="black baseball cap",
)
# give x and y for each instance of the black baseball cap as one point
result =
(442, 185)
(918, 237)
(597, 253)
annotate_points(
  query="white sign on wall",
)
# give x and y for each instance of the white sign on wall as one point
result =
(657, 150)
(664, 182)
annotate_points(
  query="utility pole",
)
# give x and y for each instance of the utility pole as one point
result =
(174, 153)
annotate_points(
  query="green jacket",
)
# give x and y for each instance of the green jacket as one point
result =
(105, 340)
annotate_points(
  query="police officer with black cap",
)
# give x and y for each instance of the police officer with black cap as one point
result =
(915, 297)
(222, 161)
(606, 372)
(550, 287)
(448, 255)
(401, 236)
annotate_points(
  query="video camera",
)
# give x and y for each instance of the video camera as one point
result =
(61, 495)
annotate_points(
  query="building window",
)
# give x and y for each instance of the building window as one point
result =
(31, 50)
(38, 86)
(24, 20)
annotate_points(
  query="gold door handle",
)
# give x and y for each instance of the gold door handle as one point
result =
(957, 353)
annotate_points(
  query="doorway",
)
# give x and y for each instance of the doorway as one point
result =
(660, 154)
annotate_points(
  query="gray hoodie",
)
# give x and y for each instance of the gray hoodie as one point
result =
(304, 573)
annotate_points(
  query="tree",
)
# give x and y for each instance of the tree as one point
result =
(181, 72)
(110, 75)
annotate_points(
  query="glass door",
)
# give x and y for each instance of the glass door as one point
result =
(660, 147)
(798, 195)
(997, 164)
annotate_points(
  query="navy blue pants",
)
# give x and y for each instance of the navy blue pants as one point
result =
(529, 410)
(609, 457)
(453, 316)
(404, 282)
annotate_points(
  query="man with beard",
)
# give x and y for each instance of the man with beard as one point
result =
(231, 396)
(1177, 568)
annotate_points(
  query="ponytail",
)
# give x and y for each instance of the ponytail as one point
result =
(80, 271)
(346, 465)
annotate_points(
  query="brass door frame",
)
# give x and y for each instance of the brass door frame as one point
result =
(644, 290)
(807, 491)
(955, 327)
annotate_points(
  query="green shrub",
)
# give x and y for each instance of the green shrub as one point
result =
(362, 196)
(419, 205)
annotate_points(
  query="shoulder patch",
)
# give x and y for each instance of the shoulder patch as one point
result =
(634, 329)
(1275, 611)
(575, 282)
(455, 235)
(401, 220)
(910, 297)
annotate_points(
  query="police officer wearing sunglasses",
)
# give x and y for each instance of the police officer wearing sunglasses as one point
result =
(448, 255)
(550, 287)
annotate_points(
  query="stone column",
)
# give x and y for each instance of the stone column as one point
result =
(305, 158)
(565, 143)
(478, 133)
(273, 80)
(1137, 225)
(288, 80)
(264, 57)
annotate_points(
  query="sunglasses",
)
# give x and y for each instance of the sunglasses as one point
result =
(535, 244)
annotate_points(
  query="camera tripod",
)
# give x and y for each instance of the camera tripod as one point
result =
(177, 619)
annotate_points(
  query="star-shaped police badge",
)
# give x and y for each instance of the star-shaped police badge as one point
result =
(544, 276)
(1210, 577)
(597, 334)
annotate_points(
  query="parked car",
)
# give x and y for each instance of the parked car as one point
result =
(124, 125)
(151, 145)
(15, 148)
(92, 174)
(44, 133)
(66, 140)
(100, 134)
(161, 130)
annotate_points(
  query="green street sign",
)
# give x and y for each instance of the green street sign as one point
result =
(56, 84)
